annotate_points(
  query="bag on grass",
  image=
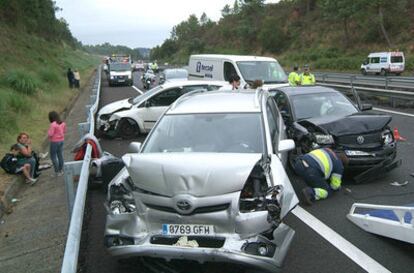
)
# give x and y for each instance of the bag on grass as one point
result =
(9, 163)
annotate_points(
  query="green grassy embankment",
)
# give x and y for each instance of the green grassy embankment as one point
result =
(33, 82)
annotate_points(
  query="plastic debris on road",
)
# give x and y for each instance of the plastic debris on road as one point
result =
(396, 184)
(15, 200)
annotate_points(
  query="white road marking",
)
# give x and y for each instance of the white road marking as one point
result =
(354, 253)
(394, 112)
(136, 88)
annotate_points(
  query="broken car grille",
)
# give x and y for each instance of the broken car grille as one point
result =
(206, 209)
(361, 141)
(203, 241)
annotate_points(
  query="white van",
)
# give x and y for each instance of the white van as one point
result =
(249, 68)
(384, 63)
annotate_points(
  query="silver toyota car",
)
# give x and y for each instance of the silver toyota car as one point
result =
(208, 184)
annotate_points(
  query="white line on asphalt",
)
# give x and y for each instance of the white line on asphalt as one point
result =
(354, 253)
(136, 88)
(394, 112)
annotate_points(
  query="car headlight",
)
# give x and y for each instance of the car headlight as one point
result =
(112, 77)
(324, 139)
(129, 76)
(105, 116)
(387, 137)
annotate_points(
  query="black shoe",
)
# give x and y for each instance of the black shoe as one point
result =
(308, 196)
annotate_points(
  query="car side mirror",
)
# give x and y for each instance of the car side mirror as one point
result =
(365, 63)
(286, 145)
(134, 147)
(366, 106)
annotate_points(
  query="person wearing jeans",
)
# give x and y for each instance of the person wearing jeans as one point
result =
(56, 135)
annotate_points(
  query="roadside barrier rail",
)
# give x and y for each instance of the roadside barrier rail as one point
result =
(76, 199)
(369, 82)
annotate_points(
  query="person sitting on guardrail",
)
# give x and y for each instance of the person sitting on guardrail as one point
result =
(307, 78)
(294, 78)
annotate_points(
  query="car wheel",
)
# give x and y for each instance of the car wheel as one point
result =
(292, 157)
(383, 72)
(397, 74)
(127, 129)
(363, 72)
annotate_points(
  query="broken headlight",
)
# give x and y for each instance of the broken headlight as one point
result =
(121, 198)
(324, 139)
(387, 137)
(258, 196)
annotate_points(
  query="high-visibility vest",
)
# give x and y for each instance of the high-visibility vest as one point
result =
(293, 78)
(308, 79)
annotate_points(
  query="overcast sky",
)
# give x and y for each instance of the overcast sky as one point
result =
(134, 23)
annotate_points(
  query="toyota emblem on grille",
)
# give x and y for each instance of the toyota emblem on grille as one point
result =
(183, 205)
(360, 139)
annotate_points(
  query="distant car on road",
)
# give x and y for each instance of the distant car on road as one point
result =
(119, 74)
(138, 66)
(384, 63)
(129, 117)
(173, 74)
(318, 116)
(207, 185)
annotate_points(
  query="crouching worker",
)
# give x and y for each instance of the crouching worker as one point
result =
(322, 171)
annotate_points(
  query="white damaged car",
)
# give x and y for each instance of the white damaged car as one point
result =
(129, 117)
(208, 184)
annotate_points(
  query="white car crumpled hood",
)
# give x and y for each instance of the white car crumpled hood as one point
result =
(197, 174)
(112, 107)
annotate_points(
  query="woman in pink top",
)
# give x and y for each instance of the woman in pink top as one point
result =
(56, 134)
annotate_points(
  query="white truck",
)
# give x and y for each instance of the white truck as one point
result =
(249, 68)
(384, 63)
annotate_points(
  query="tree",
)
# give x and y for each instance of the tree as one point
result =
(343, 10)
(225, 11)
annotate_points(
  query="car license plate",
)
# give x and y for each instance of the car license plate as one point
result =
(121, 80)
(183, 229)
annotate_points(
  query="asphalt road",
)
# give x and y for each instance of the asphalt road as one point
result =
(309, 251)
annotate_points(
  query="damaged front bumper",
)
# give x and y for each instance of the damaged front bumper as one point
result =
(257, 251)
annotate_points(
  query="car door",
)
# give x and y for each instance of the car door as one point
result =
(278, 170)
(154, 107)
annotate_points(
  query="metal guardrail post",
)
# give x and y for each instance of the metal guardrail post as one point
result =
(71, 168)
(352, 81)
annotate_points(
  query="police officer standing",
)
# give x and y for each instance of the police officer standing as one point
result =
(307, 78)
(294, 78)
(322, 171)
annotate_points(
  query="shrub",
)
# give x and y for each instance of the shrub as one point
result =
(22, 82)
(18, 103)
(7, 120)
(49, 76)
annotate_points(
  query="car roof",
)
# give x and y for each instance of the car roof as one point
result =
(185, 82)
(221, 101)
(302, 90)
(235, 58)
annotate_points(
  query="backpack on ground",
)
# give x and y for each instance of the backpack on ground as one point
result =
(9, 163)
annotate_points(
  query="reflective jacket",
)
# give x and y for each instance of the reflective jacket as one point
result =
(328, 162)
(308, 79)
(294, 78)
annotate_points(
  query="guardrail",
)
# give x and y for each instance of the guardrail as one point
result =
(406, 83)
(76, 202)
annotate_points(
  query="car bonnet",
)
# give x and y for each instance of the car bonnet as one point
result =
(354, 124)
(197, 174)
(115, 106)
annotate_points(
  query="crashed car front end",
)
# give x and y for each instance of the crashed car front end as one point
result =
(366, 140)
(176, 208)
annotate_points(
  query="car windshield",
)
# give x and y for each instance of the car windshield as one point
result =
(119, 67)
(211, 133)
(268, 72)
(321, 105)
(146, 95)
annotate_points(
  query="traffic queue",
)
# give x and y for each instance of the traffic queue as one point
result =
(211, 177)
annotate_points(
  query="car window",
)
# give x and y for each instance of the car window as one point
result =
(375, 60)
(166, 97)
(190, 88)
(273, 120)
(213, 87)
(282, 103)
(229, 70)
(396, 59)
